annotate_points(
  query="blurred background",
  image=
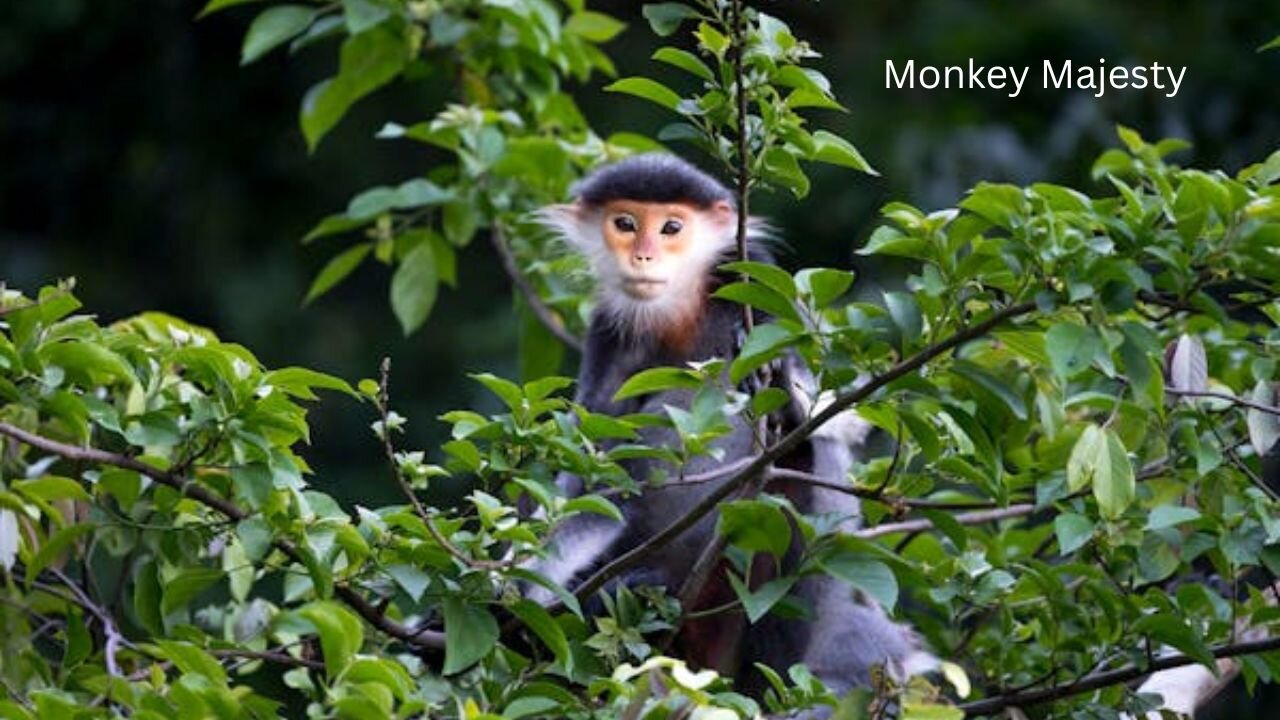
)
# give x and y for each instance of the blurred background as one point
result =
(138, 157)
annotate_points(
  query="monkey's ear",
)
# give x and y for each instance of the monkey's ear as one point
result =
(566, 220)
(723, 213)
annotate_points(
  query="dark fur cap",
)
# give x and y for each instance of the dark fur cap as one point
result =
(651, 177)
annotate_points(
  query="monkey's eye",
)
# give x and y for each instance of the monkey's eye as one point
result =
(625, 223)
(671, 227)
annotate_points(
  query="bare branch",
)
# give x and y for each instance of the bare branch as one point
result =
(742, 160)
(1097, 681)
(114, 638)
(535, 302)
(277, 657)
(972, 518)
(1244, 402)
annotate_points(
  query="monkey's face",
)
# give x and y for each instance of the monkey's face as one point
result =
(657, 249)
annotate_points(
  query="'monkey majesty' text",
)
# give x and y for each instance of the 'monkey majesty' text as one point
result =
(1053, 76)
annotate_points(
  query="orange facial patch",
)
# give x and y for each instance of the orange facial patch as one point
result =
(644, 235)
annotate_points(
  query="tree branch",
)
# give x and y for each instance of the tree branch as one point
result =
(790, 442)
(383, 401)
(971, 518)
(1245, 402)
(535, 302)
(1097, 681)
(190, 488)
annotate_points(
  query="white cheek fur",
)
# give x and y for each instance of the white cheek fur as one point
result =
(685, 274)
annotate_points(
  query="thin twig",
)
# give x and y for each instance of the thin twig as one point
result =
(743, 169)
(1260, 407)
(800, 476)
(973, 518)
(1097, 681)
(535, 302)
(277, 656)
(383, 401)
(112, 634)
(190, 488)
(789, 443)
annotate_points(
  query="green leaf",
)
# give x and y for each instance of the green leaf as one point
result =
(123, 485)
(255, 534)
(367, 62)
(782, 168)
(757, 604)
(686, 61)
(300, 381)
(1071, 348)
(1099, 457)
(412, 580)
(510, 393)
(1073, 532)
(79, 642)
(1174, 631)
(771, 275)
(274, 27)
(215, 5)
(333, 225)
(768, 400)
(147, 594)
(594, 26)
(594, 504)
(761, 297)
(408, 195)
(647, 89)
(51, 487)
(341, 633)
(1272, 45)
(253, 483)
(1166, 516)
(930, 711)
(906, 316)
(54, 546)
(1130, 138)
(990, 382)
(537, 619)
(1080, 467)
(755, 526)
(835, 150)
(665, 18)
(470, 634)
(189, 583)
(870, 576)
(360, 15)
(338, 268)
(764, 344)
(189, 659)
(824, 285)
(658, 379)
(565, 597)
(87, 362)
(414, 287)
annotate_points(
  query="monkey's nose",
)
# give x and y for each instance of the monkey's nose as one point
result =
(642, 257)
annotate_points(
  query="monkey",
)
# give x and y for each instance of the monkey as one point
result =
(654, 230)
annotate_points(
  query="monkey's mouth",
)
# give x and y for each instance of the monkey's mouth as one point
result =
(642, 287)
